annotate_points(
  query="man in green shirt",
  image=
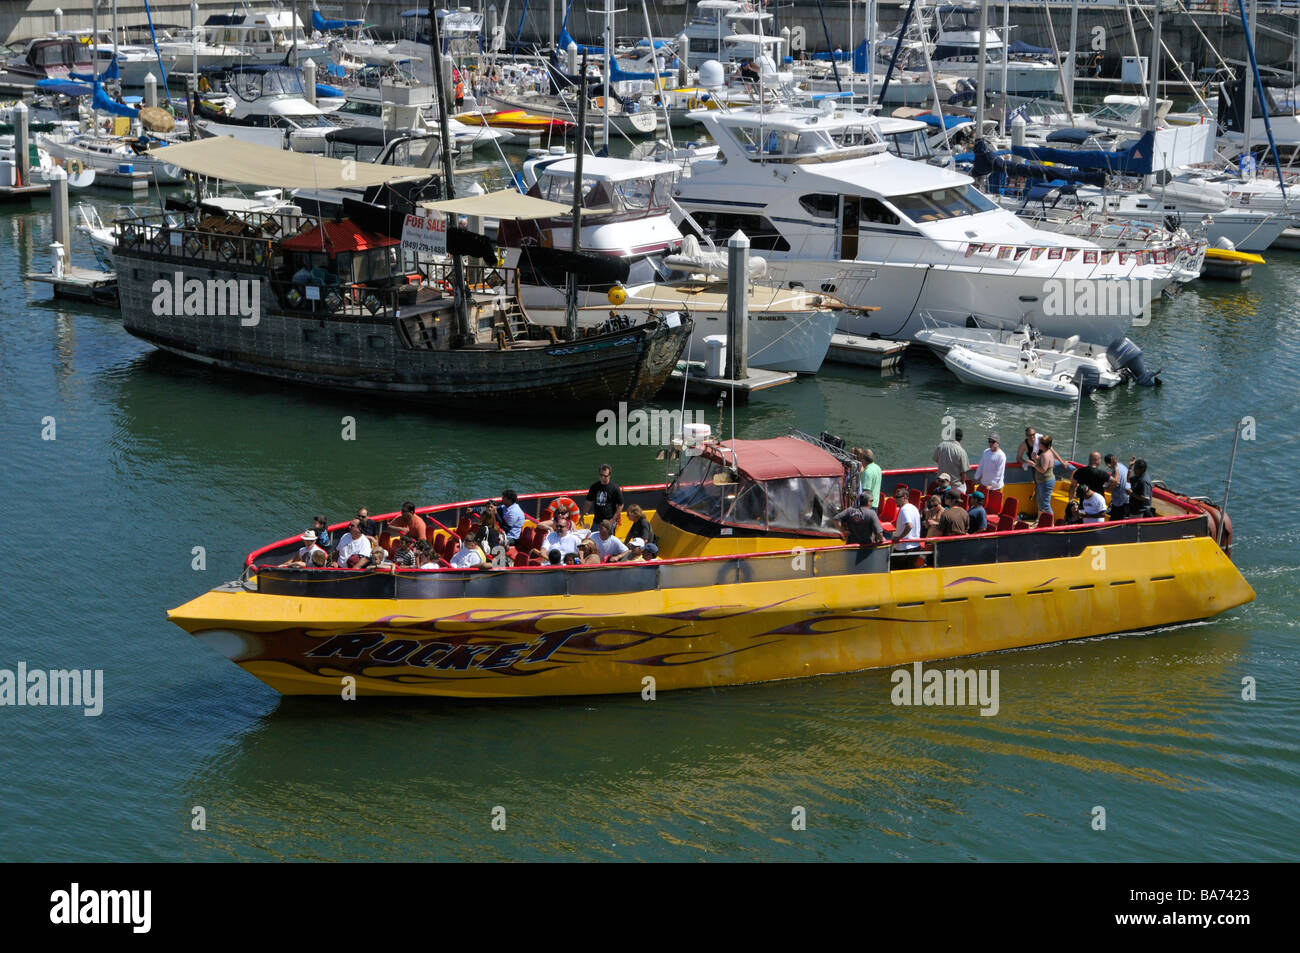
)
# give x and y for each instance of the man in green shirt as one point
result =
(871, 476)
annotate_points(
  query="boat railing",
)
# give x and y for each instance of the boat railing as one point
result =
(245, 239)
(488, 582)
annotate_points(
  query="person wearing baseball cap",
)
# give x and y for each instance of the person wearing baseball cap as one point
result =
(979, 517)
(992, 469)
(635, 551)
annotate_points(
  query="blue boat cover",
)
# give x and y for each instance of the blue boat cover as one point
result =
(100, 101)
(1026, 49)
(63, 87)
(318, 22)
(111, 73)
(949, 122)
(325, 91)
(1135, 160)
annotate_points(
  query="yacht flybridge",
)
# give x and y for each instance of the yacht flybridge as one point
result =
(824, 201)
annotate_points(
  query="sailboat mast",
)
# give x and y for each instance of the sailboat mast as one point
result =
(871, 50)
(1006, 58)
(982, 72)
(1071, 60)
(1248, 91)
(609, 46)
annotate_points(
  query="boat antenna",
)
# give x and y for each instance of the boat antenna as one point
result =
(448, 187)
(1227, 484)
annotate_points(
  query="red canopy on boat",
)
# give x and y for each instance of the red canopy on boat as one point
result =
(336, 237)
(779, 458)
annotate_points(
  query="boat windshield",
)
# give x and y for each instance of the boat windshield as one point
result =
(940, 204)
(796, 504)
(249, 86)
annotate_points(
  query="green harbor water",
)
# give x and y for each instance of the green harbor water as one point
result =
(154, 456)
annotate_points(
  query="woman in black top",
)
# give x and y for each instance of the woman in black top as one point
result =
(640, 525)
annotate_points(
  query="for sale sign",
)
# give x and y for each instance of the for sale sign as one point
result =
(425, 236)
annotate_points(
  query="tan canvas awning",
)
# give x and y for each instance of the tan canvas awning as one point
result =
(246, 163)
(504, 204)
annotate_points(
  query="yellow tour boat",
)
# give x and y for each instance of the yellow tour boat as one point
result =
(753, 582)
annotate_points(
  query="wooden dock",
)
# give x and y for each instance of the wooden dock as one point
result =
(80, 284)
(865, 352)
(23, 193)
(697, 385)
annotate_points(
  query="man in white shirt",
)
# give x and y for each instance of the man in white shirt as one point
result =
(1093, 505)
(353, 545)
(907, 524)
(561, 536)
(992, 470)
(608, 545)
(470, 553)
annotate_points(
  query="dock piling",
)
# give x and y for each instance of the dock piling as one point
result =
(738, 306)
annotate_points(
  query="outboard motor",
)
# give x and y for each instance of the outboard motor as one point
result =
(1086, 378)
(1126, 356)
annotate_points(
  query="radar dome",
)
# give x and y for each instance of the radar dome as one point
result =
(711, 75)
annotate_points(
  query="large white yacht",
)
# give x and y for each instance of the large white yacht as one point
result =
(823, 200)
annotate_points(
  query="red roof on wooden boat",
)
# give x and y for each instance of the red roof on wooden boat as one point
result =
(780, 458)
(338, 236)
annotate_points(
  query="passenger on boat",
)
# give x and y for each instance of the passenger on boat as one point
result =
(555, 557)
(930, 518)
(511, 515)
(1073, 515)
(570, 559)
(950, 457)
(561, 535)
(607, 544)
(470, 553)
(1139, 489)
(640, 525)
(378, 559)
(408, 524)
(604, 499)
(940, 486)
(303, 556)
(862, 526)
(650, 552)
(869, 477)
(953, 521)
(1044, 466)
(354, 546)
(404, 552)
(1092, 475)
(489, 530)
(749, 72)
(635, 552)
(992, 470)
(1118, 487)
(425, 557)
(1093, 505)
(368, 526)
(587, 550)
(979, 517)
(321, 527)
(319, 559)
(1029, 447)
(907, 524)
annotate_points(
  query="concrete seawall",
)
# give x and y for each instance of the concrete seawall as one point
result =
(1101, 22)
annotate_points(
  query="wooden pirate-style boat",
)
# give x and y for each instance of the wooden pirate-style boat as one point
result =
(335, 309)
(753, 582)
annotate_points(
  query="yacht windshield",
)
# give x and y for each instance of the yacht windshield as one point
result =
(799, 504)
(941, 204)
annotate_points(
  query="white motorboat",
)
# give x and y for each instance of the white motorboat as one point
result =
(786, 329)
(1008, 346)
(106, 153)
(1027, 375)
(265, 105)
(822, 198)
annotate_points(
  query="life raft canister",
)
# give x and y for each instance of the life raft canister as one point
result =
(563, 502)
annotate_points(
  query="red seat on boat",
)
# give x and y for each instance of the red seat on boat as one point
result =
(994, 503)
(462, 526)
(1010, 507)
(521, 559)
(1021, 524)
(914, 497)
(1044, 519)
(888, 510)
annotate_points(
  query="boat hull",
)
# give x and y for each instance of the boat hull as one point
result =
(598, 633)
(976, 369)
